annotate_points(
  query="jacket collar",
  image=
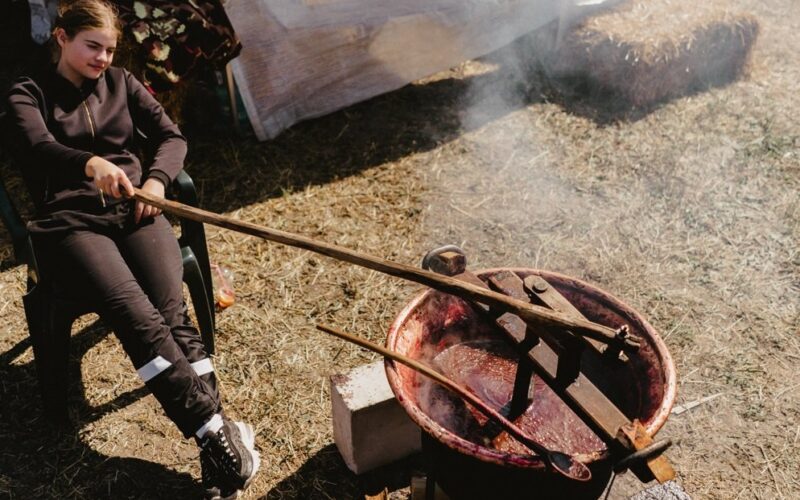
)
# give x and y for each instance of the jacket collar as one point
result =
(66, 93)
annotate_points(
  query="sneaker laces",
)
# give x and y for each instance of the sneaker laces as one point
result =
(214, 486)
(227, 458)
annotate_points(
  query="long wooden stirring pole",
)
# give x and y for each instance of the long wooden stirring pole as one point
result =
(530, 313)
(561, 462)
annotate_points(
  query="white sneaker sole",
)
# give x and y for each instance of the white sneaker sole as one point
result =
(249, 440)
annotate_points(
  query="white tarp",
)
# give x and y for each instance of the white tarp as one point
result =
(305, 58)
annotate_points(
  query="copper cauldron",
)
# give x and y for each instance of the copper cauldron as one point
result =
(468, 464)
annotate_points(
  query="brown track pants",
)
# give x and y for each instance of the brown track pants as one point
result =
(133, 278)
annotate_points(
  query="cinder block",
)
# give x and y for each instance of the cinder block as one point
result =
(370, 427)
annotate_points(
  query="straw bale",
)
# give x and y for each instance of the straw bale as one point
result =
(647, 52)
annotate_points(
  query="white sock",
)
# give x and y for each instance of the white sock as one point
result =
(214, 424)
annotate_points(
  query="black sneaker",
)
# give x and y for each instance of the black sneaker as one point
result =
(230, 455)
(212, 487)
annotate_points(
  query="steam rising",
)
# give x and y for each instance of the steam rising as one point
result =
(687, 211)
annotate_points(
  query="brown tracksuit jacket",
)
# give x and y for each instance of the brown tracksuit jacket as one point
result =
(52, 129)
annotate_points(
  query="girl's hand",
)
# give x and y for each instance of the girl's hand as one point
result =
(156, 188)
(108, 178)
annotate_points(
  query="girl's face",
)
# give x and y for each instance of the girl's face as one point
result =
(86, 55)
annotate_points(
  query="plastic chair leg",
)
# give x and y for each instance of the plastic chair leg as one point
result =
(50, 337)
(192, 233)
(197, 290)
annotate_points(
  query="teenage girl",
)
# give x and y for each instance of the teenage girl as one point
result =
(75, 131)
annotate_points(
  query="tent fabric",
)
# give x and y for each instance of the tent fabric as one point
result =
(306, 58)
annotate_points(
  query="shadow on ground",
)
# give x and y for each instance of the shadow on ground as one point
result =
(232, 171)
(325, 475)
(42, 460)
(235, 170)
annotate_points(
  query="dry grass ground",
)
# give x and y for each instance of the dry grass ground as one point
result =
(690, 213)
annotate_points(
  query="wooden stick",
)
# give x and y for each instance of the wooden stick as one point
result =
(530, 313)
(568, 466)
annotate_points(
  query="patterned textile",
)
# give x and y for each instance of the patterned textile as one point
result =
(41, 16)
(178, 36)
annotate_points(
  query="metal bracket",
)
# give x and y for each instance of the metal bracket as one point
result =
(637, 458)
(448, 260)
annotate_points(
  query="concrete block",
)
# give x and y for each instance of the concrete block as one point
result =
(370, 427)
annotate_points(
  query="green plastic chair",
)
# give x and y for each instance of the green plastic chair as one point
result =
(50, 314)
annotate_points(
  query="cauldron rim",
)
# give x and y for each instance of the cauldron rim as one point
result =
(458, 443)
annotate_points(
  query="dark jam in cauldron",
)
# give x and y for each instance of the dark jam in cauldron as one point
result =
(487, 368)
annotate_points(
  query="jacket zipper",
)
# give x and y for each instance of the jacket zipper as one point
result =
(91, 130)
(91, 122)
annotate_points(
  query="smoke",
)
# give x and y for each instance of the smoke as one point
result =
(688, 212)
(500, 177)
